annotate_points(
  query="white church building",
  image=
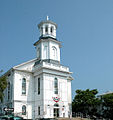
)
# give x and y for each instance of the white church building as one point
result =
(41, 87)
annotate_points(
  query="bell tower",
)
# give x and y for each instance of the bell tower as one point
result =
(48, 47)
(47, 28)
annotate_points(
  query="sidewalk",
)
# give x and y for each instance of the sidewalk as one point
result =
(73, 119)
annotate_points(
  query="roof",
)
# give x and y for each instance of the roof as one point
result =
(47, 21)
(106, 93)
(33, 60)
(70, 78)
(18, 66)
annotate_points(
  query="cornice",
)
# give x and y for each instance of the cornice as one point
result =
(47, 22)
(46, 40)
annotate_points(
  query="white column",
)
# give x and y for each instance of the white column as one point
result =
(43, 30)
(49, 29)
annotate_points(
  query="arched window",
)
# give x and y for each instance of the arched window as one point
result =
(24, 86)
(54, 50)
(46, 29)
(52, 29)
(38, 110)
(38, 53)
(55, 86)
(41, 30)
(56, 105)
(38, 86)
(9, 90)
(23, 110)
(45, 52)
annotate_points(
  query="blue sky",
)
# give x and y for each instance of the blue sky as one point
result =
(85, 28)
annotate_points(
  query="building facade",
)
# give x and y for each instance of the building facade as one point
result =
(40, 88)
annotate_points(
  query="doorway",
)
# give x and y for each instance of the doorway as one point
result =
(56, 110)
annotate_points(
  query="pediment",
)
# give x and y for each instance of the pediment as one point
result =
(26, 66)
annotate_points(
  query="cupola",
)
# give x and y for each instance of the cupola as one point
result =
(47, 28)
(48, 47)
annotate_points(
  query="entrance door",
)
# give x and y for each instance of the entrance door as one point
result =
(56, 112)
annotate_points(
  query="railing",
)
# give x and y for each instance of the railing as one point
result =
(52, 66)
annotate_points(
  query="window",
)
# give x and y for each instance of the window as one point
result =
(38, 53)
(9, 74)
(35, 85)
(8, 90)
(41, 30)
(56, 105)
(46, 29)
(51, 29)
(38, 86)
(24, 86)
(54, 50)
(55, 86)
(23, 110)
(45, 52)
(38, 110)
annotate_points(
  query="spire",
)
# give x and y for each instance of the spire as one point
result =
(47, 18)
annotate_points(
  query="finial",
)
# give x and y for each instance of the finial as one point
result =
(47, 17)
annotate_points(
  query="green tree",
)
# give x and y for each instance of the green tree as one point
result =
(3, 85)
(107, 106)
(85, 101)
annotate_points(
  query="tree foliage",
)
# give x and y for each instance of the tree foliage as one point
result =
(107, 105)
(3, 85)
(86, 101)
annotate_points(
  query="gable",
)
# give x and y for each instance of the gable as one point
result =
(26, 66)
